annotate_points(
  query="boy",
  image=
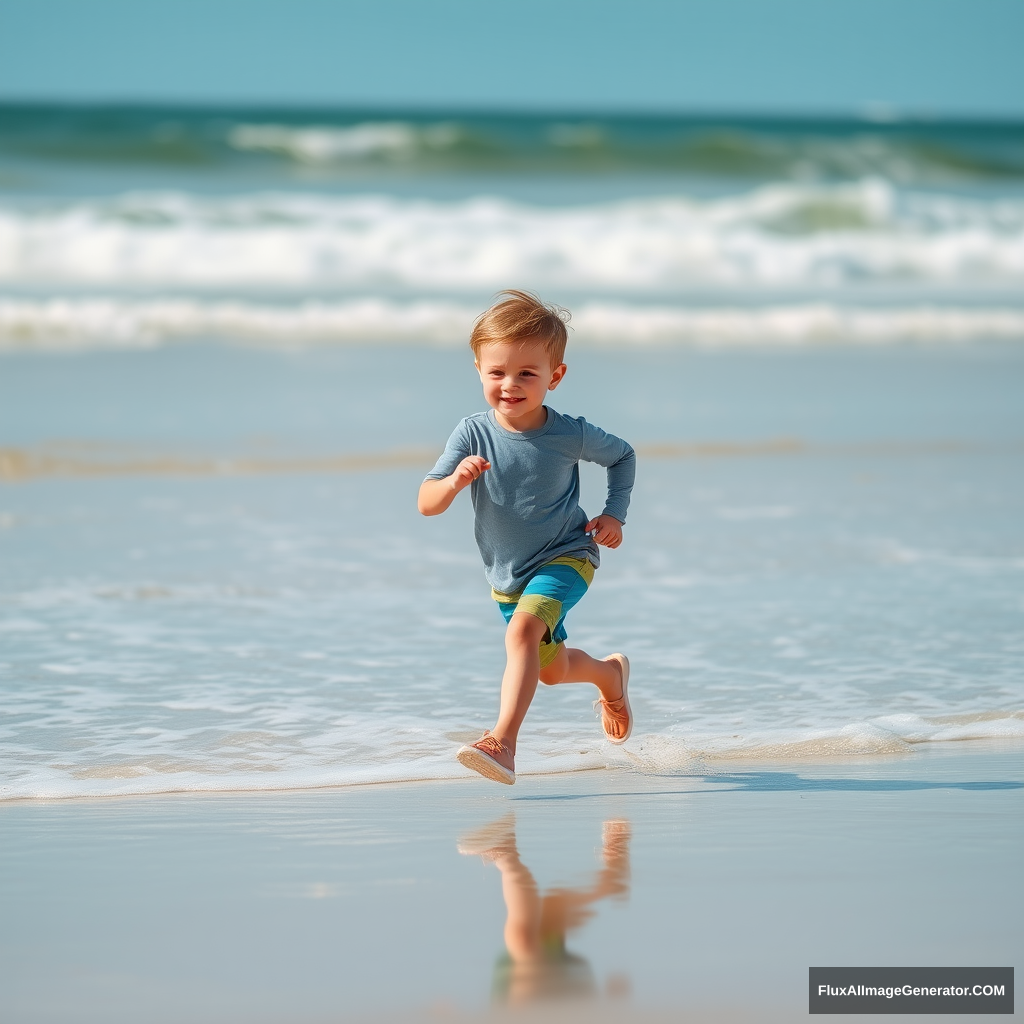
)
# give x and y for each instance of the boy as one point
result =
(539, 549)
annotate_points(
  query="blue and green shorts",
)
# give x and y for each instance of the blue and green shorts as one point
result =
(549, 594)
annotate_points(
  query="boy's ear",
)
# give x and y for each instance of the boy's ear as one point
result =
(556, 376)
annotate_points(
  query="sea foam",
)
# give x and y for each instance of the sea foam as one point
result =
(362, 750)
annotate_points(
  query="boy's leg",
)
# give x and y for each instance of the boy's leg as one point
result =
(572, 665)
(534, 615)
(608, 675)
(522, 672)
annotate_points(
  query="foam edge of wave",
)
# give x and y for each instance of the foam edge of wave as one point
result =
(651, 754)
(100, 324)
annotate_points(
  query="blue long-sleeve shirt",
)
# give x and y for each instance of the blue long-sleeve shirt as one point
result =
(527, 504)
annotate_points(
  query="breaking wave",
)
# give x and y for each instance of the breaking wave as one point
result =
(776, 236)
(319, 144)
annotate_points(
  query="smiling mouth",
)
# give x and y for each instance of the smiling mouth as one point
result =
(512, 401)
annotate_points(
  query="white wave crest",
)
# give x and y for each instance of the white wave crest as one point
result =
(97, 323)
(126, 323)
(319, 144)
(779, 236)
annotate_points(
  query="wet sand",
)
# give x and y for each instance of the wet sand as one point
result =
(593, 895)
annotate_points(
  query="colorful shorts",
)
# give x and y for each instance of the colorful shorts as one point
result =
(549, 594)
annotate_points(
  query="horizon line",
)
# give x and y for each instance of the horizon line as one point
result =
(876, 114)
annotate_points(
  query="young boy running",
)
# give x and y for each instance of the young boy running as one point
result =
(521, 462)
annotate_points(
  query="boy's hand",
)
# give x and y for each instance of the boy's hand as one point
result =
(468, 470)
(606, 530)
(436, 496)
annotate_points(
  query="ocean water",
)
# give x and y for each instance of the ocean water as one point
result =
(231, 343)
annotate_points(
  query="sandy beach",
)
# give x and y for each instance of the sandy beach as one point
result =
(385, 902)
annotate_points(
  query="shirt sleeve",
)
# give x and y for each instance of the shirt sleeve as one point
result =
(457, 448)
(619, 458)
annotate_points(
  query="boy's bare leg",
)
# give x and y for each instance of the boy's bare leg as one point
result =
(575, 666)
(519, 683)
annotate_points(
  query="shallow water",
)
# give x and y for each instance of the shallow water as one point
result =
(824, 557)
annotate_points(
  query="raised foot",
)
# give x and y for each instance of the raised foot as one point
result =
(486, 757)
(616, 715)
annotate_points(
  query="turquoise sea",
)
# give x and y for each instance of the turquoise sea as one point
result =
(232, 341)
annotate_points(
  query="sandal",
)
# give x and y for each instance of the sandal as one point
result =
(617, 710)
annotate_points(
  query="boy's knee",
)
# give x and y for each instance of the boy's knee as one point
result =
(553, 674)
(525, 629)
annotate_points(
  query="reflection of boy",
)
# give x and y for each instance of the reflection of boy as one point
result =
(537, 966)
(521, 460)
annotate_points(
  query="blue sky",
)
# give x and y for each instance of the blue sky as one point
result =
(942, 57)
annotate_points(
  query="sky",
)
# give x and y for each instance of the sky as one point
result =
(925, 57)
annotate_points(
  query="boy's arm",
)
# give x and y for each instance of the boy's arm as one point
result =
(437, 495)
(620, 460)
(455, 470)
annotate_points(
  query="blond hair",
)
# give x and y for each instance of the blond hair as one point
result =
(520, 316)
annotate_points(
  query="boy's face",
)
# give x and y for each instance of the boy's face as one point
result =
(517, 375)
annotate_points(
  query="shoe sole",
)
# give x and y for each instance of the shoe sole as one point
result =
(485, 765)
(624, 665)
